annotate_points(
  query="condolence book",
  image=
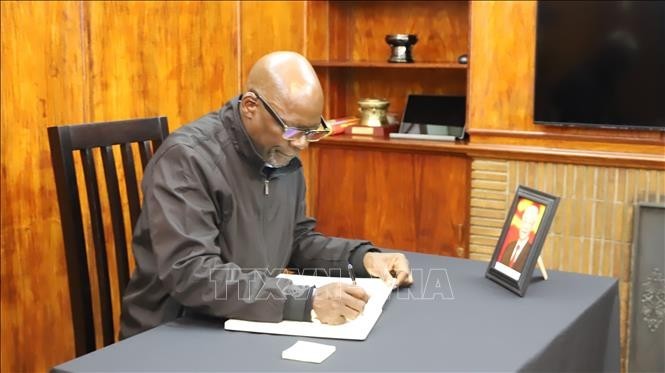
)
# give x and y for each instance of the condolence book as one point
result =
(357, 329)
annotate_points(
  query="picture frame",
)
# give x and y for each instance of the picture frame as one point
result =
(524, 231)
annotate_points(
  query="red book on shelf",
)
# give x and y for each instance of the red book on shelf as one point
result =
(338, 125)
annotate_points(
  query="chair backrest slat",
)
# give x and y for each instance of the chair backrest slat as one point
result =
(99, 242)
(64, 141)
(157, 142)
(145, 152)
(131, 183)
(117, 218)
(78, 275)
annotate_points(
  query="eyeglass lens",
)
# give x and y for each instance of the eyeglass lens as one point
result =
(291, 133)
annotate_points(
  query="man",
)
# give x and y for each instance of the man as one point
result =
(224, 212)
(517, 251)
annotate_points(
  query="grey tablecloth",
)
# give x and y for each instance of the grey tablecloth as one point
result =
(568, 323)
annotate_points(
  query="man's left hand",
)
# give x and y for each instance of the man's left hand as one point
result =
(391, 268)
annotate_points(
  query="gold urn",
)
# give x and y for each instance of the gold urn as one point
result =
(373, 112)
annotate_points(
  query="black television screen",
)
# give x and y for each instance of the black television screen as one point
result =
(600, 64)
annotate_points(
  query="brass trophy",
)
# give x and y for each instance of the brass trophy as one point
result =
(374, 121)
(401, 45)
(373, 112)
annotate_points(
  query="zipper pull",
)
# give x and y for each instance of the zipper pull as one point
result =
(266, 188)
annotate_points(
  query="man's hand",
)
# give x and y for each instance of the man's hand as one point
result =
(391, 268)
(338, 302)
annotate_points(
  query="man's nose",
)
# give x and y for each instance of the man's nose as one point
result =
(300, 143)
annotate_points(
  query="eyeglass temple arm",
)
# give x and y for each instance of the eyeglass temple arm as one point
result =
(325, 125)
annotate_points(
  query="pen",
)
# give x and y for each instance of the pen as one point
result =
(351, 274)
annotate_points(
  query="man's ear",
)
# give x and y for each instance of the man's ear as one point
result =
(248, 105)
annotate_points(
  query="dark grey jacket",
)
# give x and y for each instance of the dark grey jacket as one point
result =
(215, 228)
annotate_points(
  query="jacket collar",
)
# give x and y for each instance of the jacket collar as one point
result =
(242, 143)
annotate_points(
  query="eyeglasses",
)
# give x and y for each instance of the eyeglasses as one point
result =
(295, 133)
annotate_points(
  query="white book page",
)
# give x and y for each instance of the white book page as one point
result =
(357, 329)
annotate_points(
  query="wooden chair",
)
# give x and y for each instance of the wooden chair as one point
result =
(64, 142)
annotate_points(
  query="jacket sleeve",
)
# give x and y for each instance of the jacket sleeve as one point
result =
(183, 232)
(313, 251)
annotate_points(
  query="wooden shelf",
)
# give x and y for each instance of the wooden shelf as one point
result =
(498, 151)
(389, 65)
(346, 45)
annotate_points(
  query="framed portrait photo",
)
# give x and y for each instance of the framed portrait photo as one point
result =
(522, 239)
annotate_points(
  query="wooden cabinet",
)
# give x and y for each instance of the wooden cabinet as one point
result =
(405, 197)
(397, 199)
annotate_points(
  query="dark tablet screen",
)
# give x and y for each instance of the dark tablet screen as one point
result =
(434, 115)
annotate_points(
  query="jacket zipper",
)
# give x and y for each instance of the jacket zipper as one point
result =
(264, 203)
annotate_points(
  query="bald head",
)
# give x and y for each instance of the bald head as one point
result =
(282, 91)
(288, 81)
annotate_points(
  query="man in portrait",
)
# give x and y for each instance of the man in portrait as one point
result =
(516, 252)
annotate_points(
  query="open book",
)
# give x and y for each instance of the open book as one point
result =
(357, 329)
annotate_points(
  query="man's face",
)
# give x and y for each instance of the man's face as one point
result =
(528, 220)
(269, 140)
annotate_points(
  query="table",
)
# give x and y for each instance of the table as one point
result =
(567, 323)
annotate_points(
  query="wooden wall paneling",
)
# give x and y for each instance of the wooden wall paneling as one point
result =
(335, 84)
(339, 33)
(135, 70)
(317, 35)
(501, 87)
(501, 67)
(42, 84)
(178, 59)
(442, 204)
(268, 26)
(89, 62)
(441, 26)
(317, 45)
(67, 62)
(339, 87)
